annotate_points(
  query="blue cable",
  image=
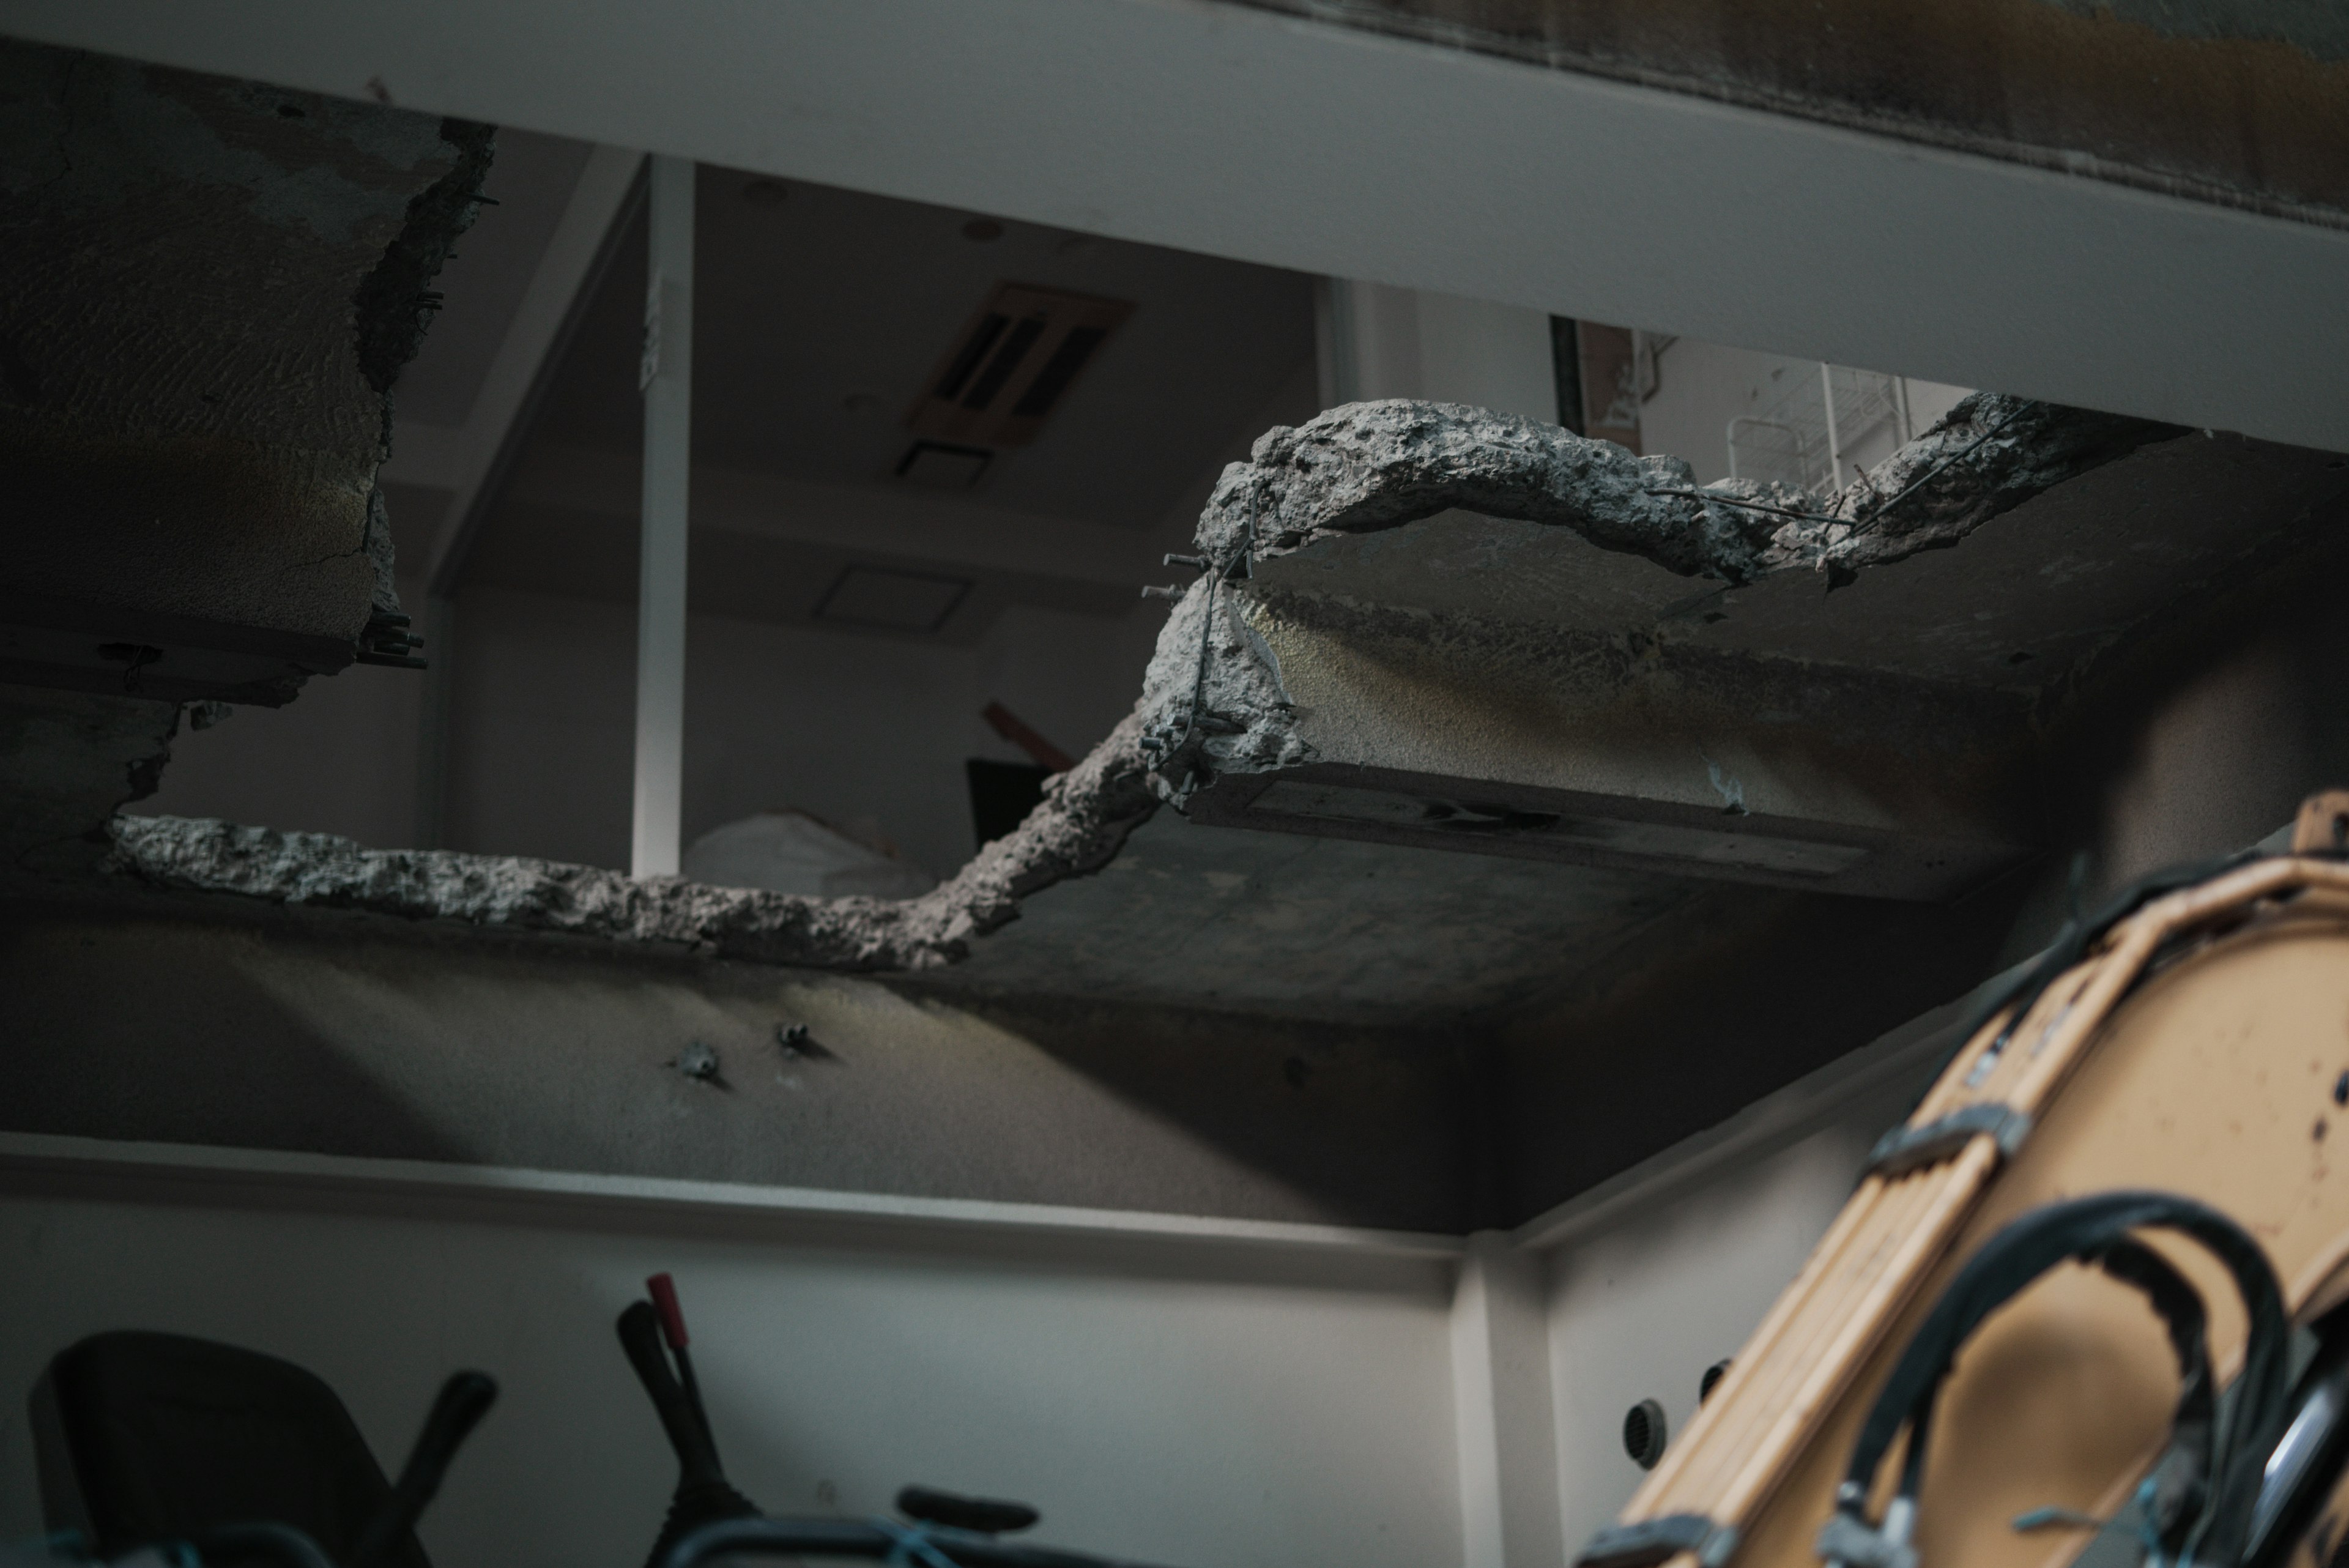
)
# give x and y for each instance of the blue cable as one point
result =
(910, 1543)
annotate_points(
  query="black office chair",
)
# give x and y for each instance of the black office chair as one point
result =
(141, 1437)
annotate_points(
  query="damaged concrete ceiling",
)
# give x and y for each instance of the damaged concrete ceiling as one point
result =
(207, 289)
(1461, 704)
(1456, 709)
(211, 286)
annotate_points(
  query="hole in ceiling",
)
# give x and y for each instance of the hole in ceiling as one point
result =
(894, 600)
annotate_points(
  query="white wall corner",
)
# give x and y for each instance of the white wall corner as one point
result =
(1500, 1391)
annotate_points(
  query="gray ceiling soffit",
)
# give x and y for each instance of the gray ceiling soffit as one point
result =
(1237, 132)
(2223, 101)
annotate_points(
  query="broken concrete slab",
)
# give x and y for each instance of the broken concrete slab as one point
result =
(1624, 747)
(1540, 679)
(71, 761)
(209, 287)
(1366, 467)
(1435, 625)
(1084, 818)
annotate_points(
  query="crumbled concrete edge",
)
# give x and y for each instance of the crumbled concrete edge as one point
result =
(1370, 466)
(71, 759)
(1212, 701)
(391, 310)
(1084, 818)
(393, 306)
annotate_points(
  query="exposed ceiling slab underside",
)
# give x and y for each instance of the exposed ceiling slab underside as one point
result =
(190, 508)
(1486, 702)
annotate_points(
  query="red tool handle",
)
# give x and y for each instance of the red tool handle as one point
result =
(672, 1317)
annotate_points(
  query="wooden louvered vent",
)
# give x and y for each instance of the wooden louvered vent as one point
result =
(1012, 364)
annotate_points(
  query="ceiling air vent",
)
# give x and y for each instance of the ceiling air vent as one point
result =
(1012, 364)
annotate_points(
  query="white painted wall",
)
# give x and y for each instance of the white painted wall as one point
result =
(1663, 1271)
(1639, 1312)
(1183, 1391)
(1268, 1415)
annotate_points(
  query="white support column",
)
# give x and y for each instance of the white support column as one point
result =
(1835, 440)
(1509, 1515)
(667, 380)
(1378, 341)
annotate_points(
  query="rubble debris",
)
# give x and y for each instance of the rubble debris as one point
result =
(1085, 817)
(698, 1061)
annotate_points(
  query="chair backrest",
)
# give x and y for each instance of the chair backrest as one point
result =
(146, 1436)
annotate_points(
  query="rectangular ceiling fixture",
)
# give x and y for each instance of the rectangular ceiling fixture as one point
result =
(894, 601)
(1012, 364)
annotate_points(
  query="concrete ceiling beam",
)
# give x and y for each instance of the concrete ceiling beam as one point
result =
(1246, 134)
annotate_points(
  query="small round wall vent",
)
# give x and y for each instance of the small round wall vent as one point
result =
(1643, 1433)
